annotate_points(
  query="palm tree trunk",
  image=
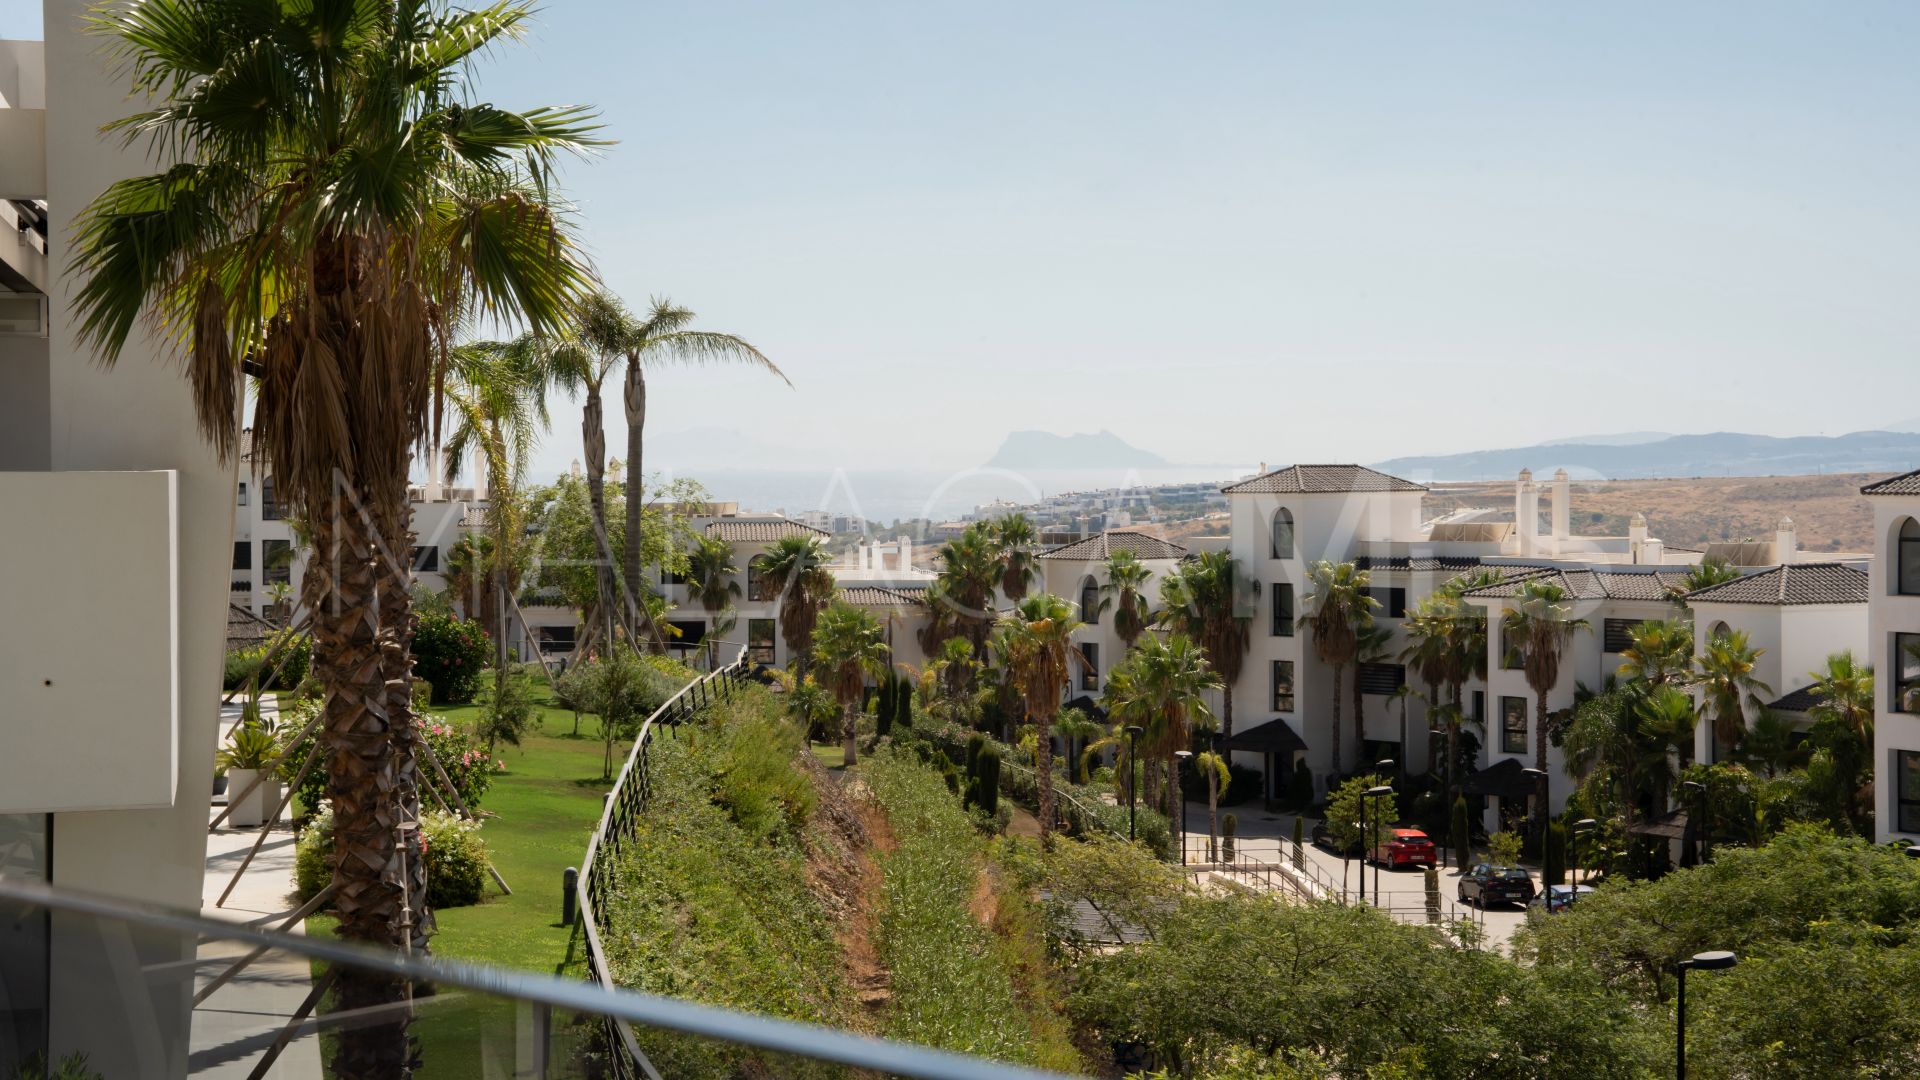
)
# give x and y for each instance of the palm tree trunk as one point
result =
(635, 399)
(364, 775)
(1338, 671)
(1213, 816)
(1359, 720)
(1226, 711)
(1043, 754)
(1540, 762)
(593, 435)
(849, 733)
(396, 654)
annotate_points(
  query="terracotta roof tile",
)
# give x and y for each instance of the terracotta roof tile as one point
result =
(1590, 584)
(1096, 548)
(762, 531)
(1800, 583)
(1904, 484)
(875, 596)
(1322, 479)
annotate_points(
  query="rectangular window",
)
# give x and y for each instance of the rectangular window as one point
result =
(1512, 656)
(556, 639)
(1392, 601)
(671, 577)
(1479, 706)
(1907, 556)
(276, 558)
(1906, 669)
(242, 555)
(1906, 767)
(426, 558)
(1382, 679)
(26, 941)
(271, 508)
(753, 581)
(243, 493)
(689, 633)
(760, 641)
(1617, 634)
(1513, 725)
(1283, 686)
(1282, 609)
(1090, 671)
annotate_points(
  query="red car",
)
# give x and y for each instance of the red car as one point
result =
(1405, 847)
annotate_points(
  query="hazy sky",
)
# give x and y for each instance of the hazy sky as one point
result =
(1259, 231)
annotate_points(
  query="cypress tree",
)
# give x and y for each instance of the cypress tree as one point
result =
(987, 777)
(1462, 838)
(1554, 867)
(1299, 836)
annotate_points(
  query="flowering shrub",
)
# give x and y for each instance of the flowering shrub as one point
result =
(450, 653)
(468, 764)
(456, 858)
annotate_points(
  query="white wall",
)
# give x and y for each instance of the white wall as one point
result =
(1888, 614)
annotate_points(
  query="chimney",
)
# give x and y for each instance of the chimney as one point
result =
(1637, 537)
(1786, 545)
(1562, 510)
(1654, 551)
(906, 552)
(1526, 513)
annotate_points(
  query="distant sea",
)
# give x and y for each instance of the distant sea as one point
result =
(890, 495)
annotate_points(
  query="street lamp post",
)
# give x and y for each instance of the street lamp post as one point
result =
(1133, 777)
(1719, 960)
(1583, 827)
(1181, 798)
(1380, 791)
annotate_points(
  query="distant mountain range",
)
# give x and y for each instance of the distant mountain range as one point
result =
(1722, 453)
(1045, 450)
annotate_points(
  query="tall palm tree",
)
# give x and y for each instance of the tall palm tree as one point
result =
(1125, 591)
(963, 591)
(1214, 768)
(469, 569)
(663, 337)
(1014, 538)
(1541, 624)
(1729, 690)
(851, 648)
(1337, 609)
(1162, 686)
(1661, 652)
(1843, 730)
(795, 570)
(1204, 600)
(1040, 655)
(712, 572)
(333, 197)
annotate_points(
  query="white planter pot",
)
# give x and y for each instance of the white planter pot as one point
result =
(249, 811)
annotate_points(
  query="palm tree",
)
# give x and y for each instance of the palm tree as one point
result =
(1541, 623)
(1713, 570)
(1624, 741)
(1843, 731)
(1661, 652)
(1013, 538)
(1728, 687)
(1125, 591)
(1214, 768)
(469, 569)
(794, 569)
(1040, 653)
(961, 597)
(1203, 600)
(1162, 686)
(1337, 609)
(1369, 647)
(662, 336)
(328, 233)
(851, 648)
(713, 574)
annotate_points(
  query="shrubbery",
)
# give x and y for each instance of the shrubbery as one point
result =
(456, 858)
(243, 664)
(450, 653)
(468, 764)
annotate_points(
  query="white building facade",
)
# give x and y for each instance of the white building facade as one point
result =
(1893, 646)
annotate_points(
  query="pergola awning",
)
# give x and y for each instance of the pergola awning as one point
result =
(1272, 737)
(1505, 779)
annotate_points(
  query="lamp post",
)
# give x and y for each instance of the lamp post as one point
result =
(1704, 830)
(1584, 827)
(1719, 960)
(1181, 798)
(1133, 779)
(1378, 792)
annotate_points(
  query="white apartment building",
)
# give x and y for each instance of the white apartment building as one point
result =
(1078, 573)
(1893, 635)
(118, 519)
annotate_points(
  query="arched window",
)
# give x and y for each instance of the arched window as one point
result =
(1906, 556)
(1283, 533)
(1718, 630)
(1090, 602)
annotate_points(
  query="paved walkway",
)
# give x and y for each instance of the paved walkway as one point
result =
(234, 1026)
(1268, 837)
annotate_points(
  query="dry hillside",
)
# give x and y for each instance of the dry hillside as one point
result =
(1828, 511)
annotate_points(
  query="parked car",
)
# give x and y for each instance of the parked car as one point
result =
(1557, 899)
(1488, 884)
(1405, 847)
(1323, 839)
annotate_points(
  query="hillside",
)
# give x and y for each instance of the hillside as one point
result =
(1720, 453)
(1828, 511)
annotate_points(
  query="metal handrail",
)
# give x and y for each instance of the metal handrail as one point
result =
(544, 992)
(629, 796)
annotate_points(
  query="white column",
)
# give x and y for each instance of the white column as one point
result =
(1526, 512)
(1562, 510)
(1786, 543)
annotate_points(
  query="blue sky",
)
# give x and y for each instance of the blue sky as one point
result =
(1258, 231)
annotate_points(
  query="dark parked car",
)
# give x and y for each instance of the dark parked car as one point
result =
(1558, 898)
(1487, 884)
(1323, 839)
(1405, 847)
